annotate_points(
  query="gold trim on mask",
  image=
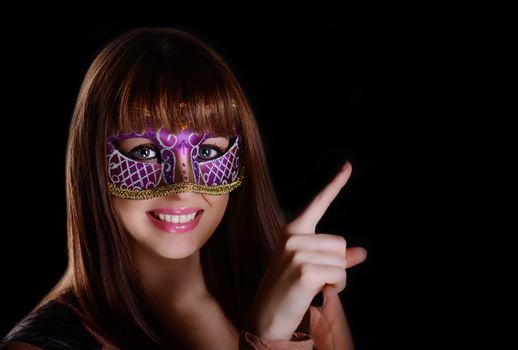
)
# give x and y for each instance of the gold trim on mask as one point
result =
(175, 188)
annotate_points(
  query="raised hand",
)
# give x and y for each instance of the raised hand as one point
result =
(304, 263)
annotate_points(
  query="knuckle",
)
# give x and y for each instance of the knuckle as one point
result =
(341, 262)
(298, 257)
(307, 274)
(344, 281)
(340, 274)
(340, 240)
(290, 243)
(341, 286)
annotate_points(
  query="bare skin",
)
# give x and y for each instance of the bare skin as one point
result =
(284, 295)
(188, 306)
(302, 266)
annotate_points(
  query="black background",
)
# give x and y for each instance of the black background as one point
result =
(379, 89)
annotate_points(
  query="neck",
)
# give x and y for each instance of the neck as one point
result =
(186, 305)
(175, 283)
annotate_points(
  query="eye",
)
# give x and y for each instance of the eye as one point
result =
(144, 153)
(208, 152)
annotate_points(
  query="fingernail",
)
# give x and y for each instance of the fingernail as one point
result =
(344, 167)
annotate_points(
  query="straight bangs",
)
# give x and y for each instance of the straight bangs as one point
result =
(177, 86)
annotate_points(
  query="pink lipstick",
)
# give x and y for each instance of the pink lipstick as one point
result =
(175, 220)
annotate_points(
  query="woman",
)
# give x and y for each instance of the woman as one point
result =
(175, 237)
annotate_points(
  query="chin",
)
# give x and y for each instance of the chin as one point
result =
(177, 252)
(179, 246)
(167, 245)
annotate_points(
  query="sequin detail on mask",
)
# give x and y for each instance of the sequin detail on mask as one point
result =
(133, 179)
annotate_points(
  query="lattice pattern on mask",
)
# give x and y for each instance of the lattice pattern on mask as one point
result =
(222, 170)
(128, 173)
(134, 179)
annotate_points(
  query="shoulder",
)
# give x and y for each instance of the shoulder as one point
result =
(52, 326)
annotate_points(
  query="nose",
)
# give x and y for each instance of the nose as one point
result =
(184, 171)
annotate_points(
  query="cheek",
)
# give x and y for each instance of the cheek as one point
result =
(218, 204)
(120, 206)
(127, 211)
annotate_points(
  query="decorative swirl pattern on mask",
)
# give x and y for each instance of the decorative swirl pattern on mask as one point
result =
(133, 179)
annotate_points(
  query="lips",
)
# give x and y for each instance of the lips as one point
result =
(172, 220)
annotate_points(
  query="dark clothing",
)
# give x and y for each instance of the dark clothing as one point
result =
(53, 326)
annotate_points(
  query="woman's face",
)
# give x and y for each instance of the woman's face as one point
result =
(174, 226)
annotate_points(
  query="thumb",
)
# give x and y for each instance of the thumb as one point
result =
(355, 256)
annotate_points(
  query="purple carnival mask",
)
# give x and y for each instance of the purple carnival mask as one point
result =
(179, 166)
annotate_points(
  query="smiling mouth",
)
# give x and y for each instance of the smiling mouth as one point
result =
(175, 219)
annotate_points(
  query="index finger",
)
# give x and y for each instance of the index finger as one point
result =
(307, 221)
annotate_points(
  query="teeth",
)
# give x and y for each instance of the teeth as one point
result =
(177, 219)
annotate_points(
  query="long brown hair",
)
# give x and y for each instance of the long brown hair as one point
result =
(169, 77)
